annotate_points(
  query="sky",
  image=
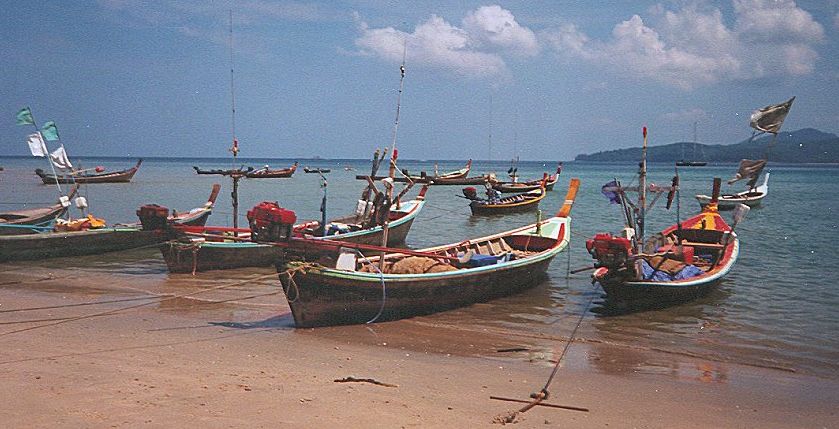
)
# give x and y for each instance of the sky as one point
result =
(539, 79)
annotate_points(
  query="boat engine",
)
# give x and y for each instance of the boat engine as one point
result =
(470, 193)
(153, 217)
(610, 251)
(270, 223)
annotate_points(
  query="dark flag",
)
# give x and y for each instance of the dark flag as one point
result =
(611, 191)
(770, 118)
(674, 186)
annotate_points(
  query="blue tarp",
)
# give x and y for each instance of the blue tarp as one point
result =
(687, 272)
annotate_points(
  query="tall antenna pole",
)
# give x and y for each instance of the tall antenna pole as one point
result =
(642, 199)
(398, 102)
(235, 148)
(490, 126)
(393, 156)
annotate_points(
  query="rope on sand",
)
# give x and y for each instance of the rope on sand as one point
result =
(543, 394)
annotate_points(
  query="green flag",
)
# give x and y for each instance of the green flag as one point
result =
(24, 117)
(49, 131)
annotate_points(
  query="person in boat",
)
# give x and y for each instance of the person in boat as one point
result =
(493, 196)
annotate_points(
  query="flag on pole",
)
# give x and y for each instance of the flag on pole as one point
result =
(24, 117)
(611, 191)
(50, 131)
(59, 159)
(770, 118)
(36, 145)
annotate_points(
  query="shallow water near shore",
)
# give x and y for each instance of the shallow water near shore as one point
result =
(776, 309)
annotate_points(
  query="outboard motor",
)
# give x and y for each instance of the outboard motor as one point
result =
(610, 251)
(270, 223)
(153, 217)
(471, 193)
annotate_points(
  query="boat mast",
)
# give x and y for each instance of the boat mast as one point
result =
(392, 170)
(235, 148)
(47, 155)
(642, 190)
(490, 127)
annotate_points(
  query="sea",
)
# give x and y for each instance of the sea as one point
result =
(778, 308)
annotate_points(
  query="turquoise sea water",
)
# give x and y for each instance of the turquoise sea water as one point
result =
(779, 307)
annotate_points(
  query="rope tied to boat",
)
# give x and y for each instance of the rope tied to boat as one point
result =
(384, 288)
(543, 394)
(290, 272)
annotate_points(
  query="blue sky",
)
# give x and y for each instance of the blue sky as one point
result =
(550, 79)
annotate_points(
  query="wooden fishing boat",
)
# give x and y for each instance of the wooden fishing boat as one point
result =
(97, 241)
(530, 185)
(208, 248)
(222, 172)
(85, 176)
(510, 204)
(683, 163)
(686, 262)
(452, 175)
(353, 289)
(752, 197)
(267, 173)
(457, 177)
(31, 221)
(316, 170)
(678, 264)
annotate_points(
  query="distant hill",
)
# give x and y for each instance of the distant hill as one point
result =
(806, 145)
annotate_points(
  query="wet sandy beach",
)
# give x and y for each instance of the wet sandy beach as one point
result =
(87, 347)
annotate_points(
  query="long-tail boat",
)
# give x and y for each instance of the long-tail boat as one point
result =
(680, 263)
(457, 177)
(207, 248)
(90, 176)
(751, 197)
(766, 120)
(494, 204)
(317, 170)
(31, 221)
(683, 262)
(267, 173)
(356, 288)
(96, 241)
(530, 185)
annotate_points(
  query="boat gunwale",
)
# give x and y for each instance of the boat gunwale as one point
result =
(560, 244)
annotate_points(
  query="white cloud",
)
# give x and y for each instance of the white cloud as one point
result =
(693, 46)
(476, 48)
(492, 26)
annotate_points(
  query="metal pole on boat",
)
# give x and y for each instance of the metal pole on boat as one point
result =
(392, 171)
(235, 196)
(323, 204)
(642, 199)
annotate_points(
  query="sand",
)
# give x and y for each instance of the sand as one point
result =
(194, 362)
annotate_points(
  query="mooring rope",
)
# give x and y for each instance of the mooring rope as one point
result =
(290, 272)
(384, 288)
(543, 394)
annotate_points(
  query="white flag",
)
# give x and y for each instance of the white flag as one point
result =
(36, 145)
(59, 158)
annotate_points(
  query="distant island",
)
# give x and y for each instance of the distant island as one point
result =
(806, 145)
